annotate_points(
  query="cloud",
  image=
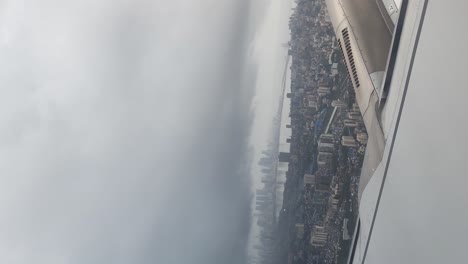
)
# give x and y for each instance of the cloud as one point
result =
(123, 129)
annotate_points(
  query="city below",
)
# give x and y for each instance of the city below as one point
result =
(310, 215)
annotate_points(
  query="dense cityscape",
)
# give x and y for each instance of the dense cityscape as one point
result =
(319, 207)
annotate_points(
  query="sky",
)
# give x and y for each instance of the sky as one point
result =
(128, 128)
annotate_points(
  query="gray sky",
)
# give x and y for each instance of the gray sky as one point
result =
(124, 130)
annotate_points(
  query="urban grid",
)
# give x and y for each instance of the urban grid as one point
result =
(327, 145)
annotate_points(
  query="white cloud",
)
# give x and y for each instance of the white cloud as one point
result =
(122, 127)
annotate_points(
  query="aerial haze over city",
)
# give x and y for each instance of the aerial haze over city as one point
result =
(130, 130)
(232, 132)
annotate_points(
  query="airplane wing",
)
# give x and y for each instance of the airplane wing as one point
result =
(412, 196)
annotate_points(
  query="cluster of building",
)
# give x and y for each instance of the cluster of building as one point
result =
(328, 142)
(269, 198)
(265, 218)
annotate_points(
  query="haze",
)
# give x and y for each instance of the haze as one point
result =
(127, 129)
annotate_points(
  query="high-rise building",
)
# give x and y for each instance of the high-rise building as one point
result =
(319, 236)
(327, 138)
(309, 179)
(299, 231)
(326, 147)
(348, 141)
